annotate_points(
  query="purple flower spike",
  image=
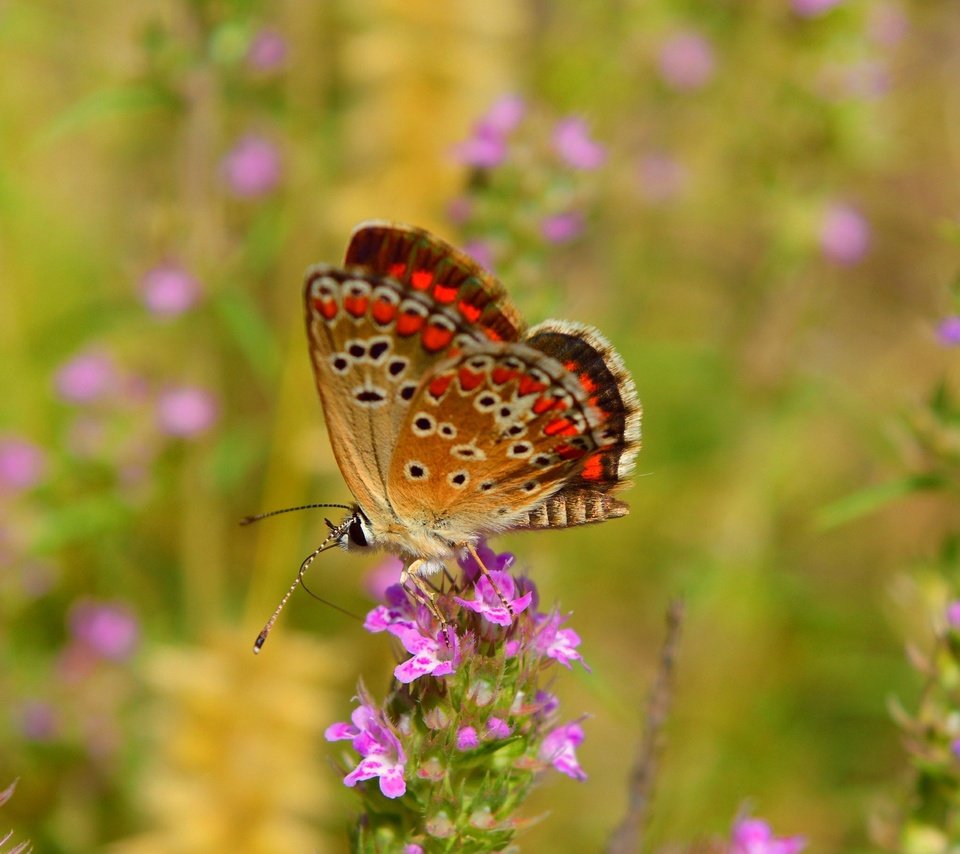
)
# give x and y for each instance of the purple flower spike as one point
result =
(686, 61)
(497, 728)
(426, 652)
(397, 612)
(108, 629)
(559, 749)
(556, 643)
(168, 290)
(844, 235)
(186, 411)
(380, 749)
(487, 602)
(949, 331)
(562, 227)
(491, 560)
(467, 738)
(22, 464)
(252, 167)
(753, 836)
(571, 140)
(86, 377)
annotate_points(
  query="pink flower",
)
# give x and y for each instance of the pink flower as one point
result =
(22, 464)
(844, 235)
(380, 749)
(752, 836)
(571, 140)
(481, 252)
(953, 614)
(397, 612)
(86, 377)
(487, 602)
(686, 60)
(497, 728)
(559, 749)
(108, 629)
(661, 177)
(168, 290)
(486, 147)
(949, 331)
(430, 656)
(186, 411)
(252, 167)
(887, 24)
(467, 738)
(813, 8)
(563, 227)
(556, 643)
(267, 51)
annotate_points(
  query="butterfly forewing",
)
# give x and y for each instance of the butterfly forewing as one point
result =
(428, 265)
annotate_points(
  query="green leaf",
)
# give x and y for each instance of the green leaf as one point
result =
(868, 500)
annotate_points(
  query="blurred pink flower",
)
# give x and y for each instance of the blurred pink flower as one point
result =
(812, 8)
(86, 377)
(252, 167)
(38, 720)
(887, 24)
(186, 411)
(459, 210)
(662, 177)
(572, 141)
(486, 147)
(949, 334)
(385, 574)
(753, 836)
(481, 252)
(22, 464)
(686, 60)
(844, 235)
(953, 614)
(504, 115)
(108, 629)
(267, 50)
(563, 227)
(168, 289)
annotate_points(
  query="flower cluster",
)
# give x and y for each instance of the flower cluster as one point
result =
(755, 836)
(468, 725)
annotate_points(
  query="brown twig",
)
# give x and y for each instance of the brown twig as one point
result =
(627, 838)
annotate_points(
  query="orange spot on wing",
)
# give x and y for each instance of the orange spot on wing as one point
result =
(357, 306)
(409, 323)
(545, 404)
(501, 375)
(593, 468)
(383, 311)
(421, 279)
(438, 387)
(327, 307)
(396, 271)
(560, 427)
(469, 310)
(568, 452)
(444, 293)
(587, 382)
(468, 379)
(435, 338)
(528, 385)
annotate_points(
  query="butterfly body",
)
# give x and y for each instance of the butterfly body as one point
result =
(448, 419)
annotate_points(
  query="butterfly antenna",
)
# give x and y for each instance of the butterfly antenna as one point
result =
(328, 543)
(249, 520)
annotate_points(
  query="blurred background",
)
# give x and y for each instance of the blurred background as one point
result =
(757, 202)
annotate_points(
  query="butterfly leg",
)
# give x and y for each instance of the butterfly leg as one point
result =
(426, 593)
(472, 551)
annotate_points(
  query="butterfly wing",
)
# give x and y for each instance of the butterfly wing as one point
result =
(490, 435)
(587, 496)
(375, 328)
(426, 264)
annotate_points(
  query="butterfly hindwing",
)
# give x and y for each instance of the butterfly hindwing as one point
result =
(490, 435)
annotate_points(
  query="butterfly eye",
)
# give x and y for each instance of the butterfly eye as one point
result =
(356, 533)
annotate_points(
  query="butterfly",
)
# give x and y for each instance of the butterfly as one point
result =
(451, 421)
